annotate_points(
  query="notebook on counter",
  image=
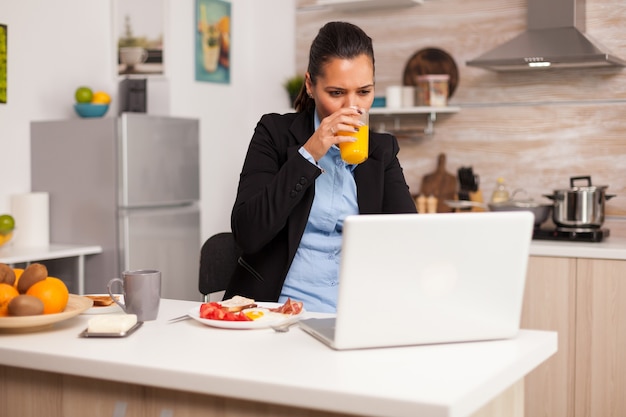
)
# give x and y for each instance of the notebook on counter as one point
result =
(412, 279)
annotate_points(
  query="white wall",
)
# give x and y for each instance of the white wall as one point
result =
(73, 45)
(52, 48)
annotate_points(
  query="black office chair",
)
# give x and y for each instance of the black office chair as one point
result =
(218, 258)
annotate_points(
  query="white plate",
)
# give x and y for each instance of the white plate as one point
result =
(113, 308)
(461, 204)
(194, 313)
(75, 305)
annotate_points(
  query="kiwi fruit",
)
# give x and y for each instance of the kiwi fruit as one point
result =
(7, 274)
(33, 273)
(25, 305)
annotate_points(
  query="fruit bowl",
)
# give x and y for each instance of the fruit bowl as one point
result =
(90, 109)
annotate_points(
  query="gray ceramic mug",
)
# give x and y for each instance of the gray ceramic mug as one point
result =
(142, 293)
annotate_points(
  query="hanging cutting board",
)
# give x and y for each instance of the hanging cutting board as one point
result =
(440, 184)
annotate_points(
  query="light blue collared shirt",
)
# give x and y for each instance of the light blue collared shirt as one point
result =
(313, 277)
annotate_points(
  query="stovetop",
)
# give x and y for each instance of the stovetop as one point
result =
(571, 234)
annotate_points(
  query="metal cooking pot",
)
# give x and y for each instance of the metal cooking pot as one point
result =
(579, 206)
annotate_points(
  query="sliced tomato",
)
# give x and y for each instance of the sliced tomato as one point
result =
(239, 316)
(208, 309)
(213, 311)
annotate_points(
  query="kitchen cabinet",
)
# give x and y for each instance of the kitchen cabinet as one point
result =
(600, 338)
(580, 298)
(35, 393)
(549, 303)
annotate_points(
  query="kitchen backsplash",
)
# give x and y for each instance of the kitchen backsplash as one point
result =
(536, 129)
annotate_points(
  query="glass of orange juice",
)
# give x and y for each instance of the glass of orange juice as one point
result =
(356, 152)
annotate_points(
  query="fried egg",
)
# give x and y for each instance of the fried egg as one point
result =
(262, 314)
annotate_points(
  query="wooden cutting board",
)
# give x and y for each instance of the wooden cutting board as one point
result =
(440, 184)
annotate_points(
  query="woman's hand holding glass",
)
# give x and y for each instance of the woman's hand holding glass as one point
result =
(348, 128)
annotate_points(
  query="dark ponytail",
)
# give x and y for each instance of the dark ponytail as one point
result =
(334, 40)
(303, 101)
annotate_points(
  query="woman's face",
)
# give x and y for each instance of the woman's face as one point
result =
(343, 83)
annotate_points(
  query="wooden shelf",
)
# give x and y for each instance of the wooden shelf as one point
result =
(413, 110)
(430, 111)
(358, 5)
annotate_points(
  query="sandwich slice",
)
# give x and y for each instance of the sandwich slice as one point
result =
(237, 303)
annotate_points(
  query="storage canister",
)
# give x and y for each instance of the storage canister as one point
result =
(393, 96)
(432, 90)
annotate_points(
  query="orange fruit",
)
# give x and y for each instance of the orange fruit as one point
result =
(7, 293)
(5, 237)
(18, 274)
(100, 97)
(53, 292)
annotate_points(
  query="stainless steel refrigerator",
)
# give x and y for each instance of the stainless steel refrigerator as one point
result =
(129, 184)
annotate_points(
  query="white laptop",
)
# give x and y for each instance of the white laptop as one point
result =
(411, 279)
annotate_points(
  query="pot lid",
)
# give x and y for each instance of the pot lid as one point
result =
(587, 188)
(584, 188)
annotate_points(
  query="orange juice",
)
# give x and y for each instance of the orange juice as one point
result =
(355, 152)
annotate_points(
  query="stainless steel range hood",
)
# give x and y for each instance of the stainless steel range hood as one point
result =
(554, 38)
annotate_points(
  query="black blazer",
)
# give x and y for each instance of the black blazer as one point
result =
(275, 194)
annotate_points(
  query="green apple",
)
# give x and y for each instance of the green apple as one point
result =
(83, 94)
(7, 224)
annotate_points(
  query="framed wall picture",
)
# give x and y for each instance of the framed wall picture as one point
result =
(139, 31)
(213, 41)
(3, 63)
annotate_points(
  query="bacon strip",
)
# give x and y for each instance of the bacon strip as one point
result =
(290, 307)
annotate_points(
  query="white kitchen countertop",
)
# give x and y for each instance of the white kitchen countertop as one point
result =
(13, 255)
(286, 368)
(613, 247)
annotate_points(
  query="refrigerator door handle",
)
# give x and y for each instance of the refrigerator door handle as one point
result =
(124, 224)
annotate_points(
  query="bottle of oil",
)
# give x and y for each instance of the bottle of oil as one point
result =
(501, 193)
